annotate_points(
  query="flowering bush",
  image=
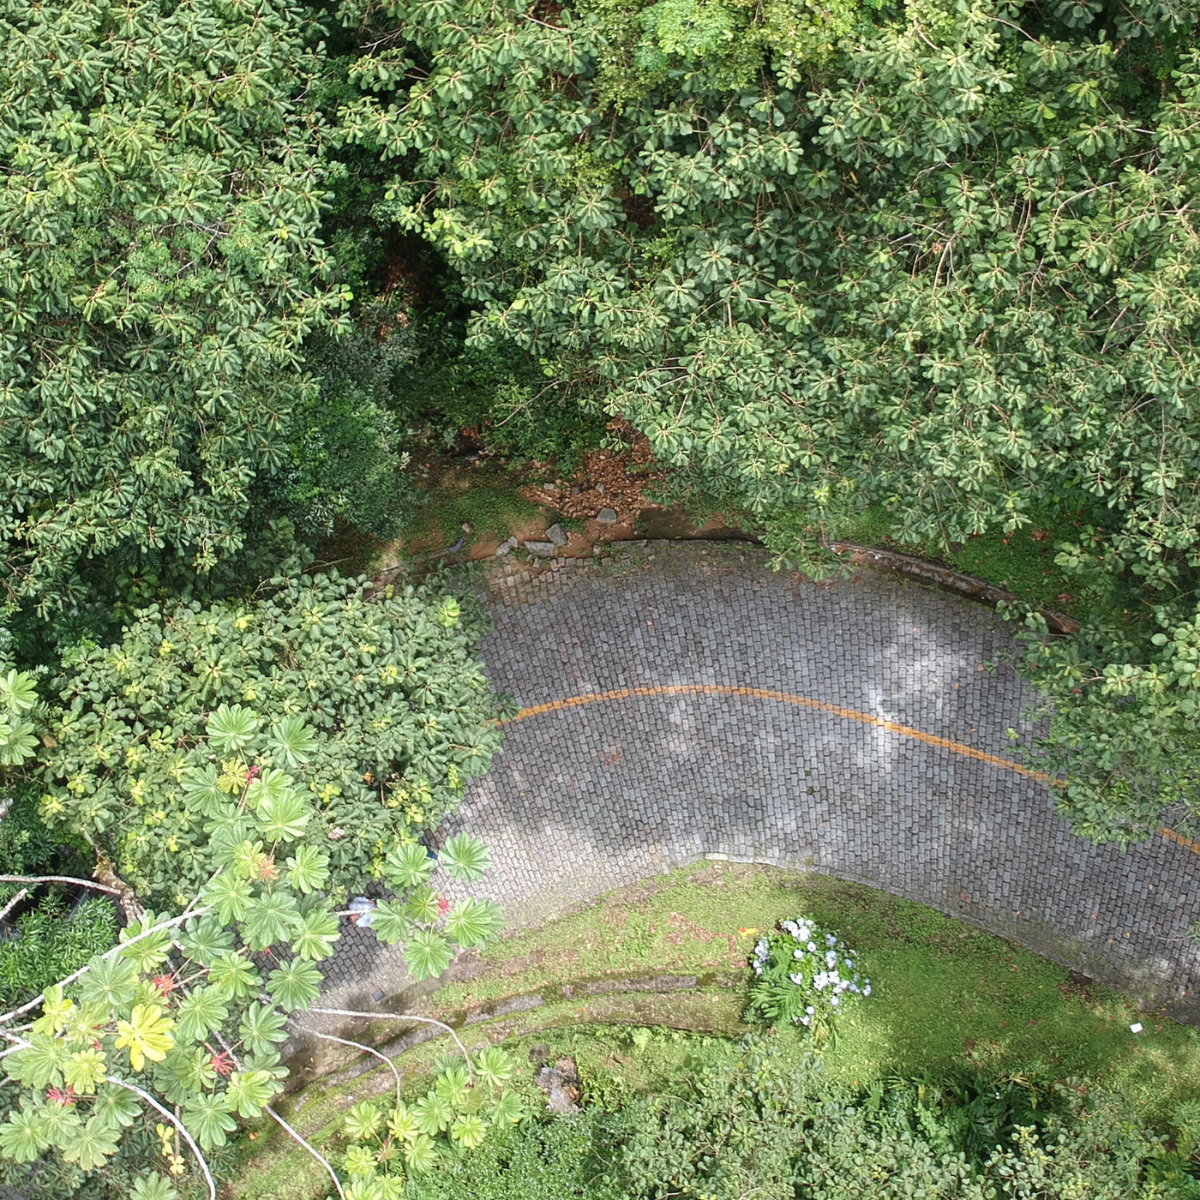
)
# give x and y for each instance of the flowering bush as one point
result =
(803, 976)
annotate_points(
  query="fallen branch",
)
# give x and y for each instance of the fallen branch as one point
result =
(345, 1012)
(187, 1137)
(357, 1046)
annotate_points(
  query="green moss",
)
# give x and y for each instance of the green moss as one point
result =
(486, 498)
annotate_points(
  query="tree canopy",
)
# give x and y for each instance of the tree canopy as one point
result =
(161, 264)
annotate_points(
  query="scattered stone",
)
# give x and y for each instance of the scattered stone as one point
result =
(561, 1085)
(574, 490)
(467, 527)
(600, 488)
(555, 534)
(505, 546)
(541, 549)
(377, 995)
(607, 516)
(547, 487)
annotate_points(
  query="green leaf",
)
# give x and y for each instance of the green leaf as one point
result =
(433, 1113)
(283, 819)
(465, 857)
(154, 1187)
(231, 729)
(468, 1131)
(473, 922)
(115, 1105)
(509, 1109)
(262, 1026)
(234, 977)
(493, 1066)
(361, 1121)
(229, 895)
(24, 1135)
(427, 954)
(391, 922)
(208, 1119)
(317, 934)
(291, 741)
(454, 1086)
(408, 866)
(201, 1013)
(85, 1070)
(205, 940)
(421, 1153)
(90, 1145)
(423, 905)
(109, 983)
(307, 869)
(272, 918)
(201, 793)
(41, 1063)
(295, 984)
(18, 691)
(151, 951)
(249, 1091)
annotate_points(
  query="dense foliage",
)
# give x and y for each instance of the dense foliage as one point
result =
(750, 1125)
(956, 279)
(375, 704)
(160, 265)
(188, 1010)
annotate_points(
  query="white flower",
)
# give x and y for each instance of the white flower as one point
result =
(867, 990)
(830, 959)
(812, 947)
(834, 1001)
(797, 953)
(804, 1020)
(810, 1010)
(830, 940)
(798, 980)
(791, 927)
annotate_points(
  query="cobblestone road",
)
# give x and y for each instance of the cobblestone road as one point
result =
(587, 797)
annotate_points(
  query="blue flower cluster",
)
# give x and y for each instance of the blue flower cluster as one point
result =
(816, 962)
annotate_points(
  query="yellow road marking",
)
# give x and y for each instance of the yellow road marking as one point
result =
(849, 714)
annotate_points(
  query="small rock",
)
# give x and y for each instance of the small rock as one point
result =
(555, 534)
(607, 516)
(541, 549)
(574, 490)
(467, 527)
(502, 549)
(600, 488)
(561, 1085)
(547, 487)
(377, 994)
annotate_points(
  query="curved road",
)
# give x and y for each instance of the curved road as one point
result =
(683, 700)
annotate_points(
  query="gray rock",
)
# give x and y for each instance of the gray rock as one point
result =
(561, 1085)
(607, 516)
(541, 549)
(600, 488)
(502, 549)
(555, 534)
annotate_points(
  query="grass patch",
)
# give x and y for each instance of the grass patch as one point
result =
(947, 995)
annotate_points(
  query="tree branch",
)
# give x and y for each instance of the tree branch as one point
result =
(345, 1012)
(337, 1183)
(357, 1046)
(187, 1137)
(87, 883)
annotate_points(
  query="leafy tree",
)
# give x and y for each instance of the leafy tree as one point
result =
(955, 280)
(373, 707)
(161, 265)
(183, 1019)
